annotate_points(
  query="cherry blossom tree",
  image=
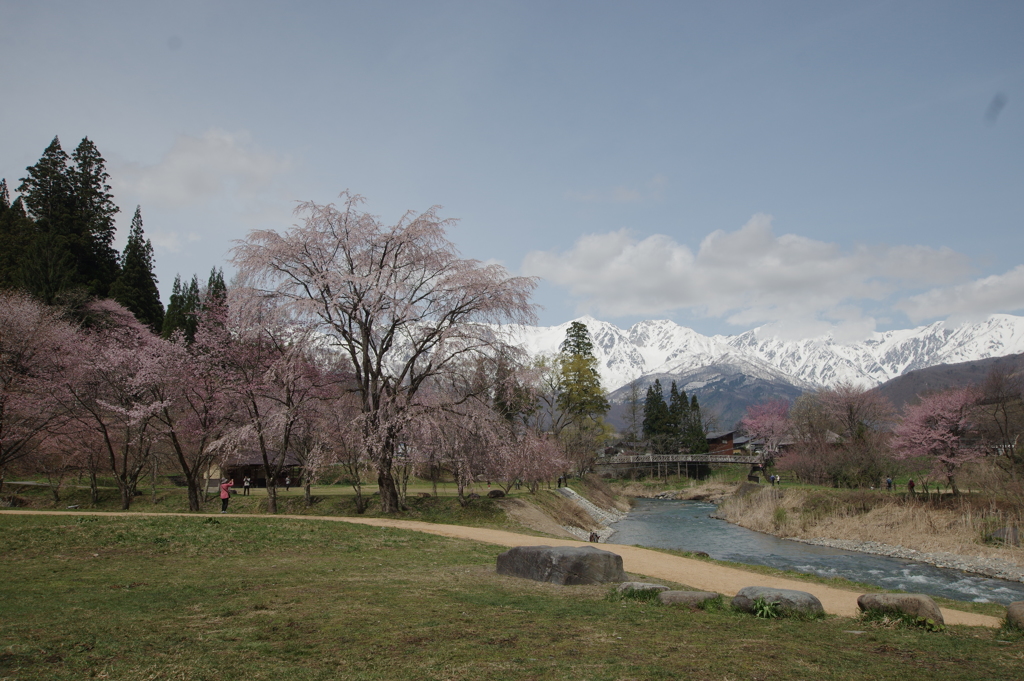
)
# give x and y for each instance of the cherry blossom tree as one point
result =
(274, 377)
(397, 300)
(942, 427)
(190, 383)
(106, 392)
(768, 421)
(35, 347)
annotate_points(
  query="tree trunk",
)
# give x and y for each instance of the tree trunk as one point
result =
(94, 492)
(271, 496)
(193, 495)
(309, 497)
(388, 489)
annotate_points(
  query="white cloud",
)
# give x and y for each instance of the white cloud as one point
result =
(747, 277)
(197, 169)
(970, 301)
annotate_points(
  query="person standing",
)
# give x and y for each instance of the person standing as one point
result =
(225, 493)
(246, 482)
(287, 482)
(910, 486)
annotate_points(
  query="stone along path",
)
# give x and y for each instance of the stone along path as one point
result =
(694, 573)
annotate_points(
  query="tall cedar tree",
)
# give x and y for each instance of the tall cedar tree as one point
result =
(183, 310)
(582, 396)
(656, 413)
(135, 287)
(15, 237)
(94, 219)
(695, 437)
(678, 411)
(69, 199)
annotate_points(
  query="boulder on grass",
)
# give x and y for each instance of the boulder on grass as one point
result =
(1015, 614)
(790, 602)
(562, 564)
(693, 599)
(641, 586)
(495, 494)
(915, 605)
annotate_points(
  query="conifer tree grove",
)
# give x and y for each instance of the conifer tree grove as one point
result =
(135, 287)
(72, 211)
(183, 310)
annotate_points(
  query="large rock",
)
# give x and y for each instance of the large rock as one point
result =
(562, 564)
(641, 586)
(693, 599)
(915, 605)
(1015, 614)
(790, 602)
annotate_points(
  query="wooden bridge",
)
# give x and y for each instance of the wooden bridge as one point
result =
(669, 463)
(630, 459)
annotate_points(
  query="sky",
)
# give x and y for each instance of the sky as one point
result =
(808, 168)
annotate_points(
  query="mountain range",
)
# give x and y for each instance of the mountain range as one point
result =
(728, 373)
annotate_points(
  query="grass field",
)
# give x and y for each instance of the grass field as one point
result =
(269, 598)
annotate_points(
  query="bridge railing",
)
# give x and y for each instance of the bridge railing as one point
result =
(751, 459)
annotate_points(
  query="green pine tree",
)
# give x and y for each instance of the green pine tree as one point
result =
(16, 235)
(656, 414)
(69, 200)
(678, 411)
(135, 287)
(183, 310)
(581, 396)
(93, 218)
(694, 436)
(216, 293)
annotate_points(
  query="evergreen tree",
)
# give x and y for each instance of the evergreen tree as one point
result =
(94, 212)
(16, 232)
(678, 411)
(694, 436)
(183, 310)
(656, 414)
(73, 212)
(216, 289)
(581, 394)
(135, 287)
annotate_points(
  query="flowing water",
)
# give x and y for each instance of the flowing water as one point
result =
(686, 526)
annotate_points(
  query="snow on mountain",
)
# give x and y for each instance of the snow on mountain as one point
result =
(664, 347)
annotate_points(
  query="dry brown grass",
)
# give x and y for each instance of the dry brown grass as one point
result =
(956, 527)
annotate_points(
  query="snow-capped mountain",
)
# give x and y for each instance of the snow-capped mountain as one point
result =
(663, 347)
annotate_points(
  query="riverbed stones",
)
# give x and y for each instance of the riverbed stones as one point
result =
(1015, 614)
(641, 586)
(915, 605)
(693, 599)
(789, 601)
(562, 564)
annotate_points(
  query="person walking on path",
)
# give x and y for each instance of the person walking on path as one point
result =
(246, 482)
(225, 493)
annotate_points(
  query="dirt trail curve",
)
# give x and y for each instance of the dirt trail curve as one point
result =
(695, 573)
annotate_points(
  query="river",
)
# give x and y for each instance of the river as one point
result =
(686, 526)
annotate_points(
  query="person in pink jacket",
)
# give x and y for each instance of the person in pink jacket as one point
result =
(225, 493)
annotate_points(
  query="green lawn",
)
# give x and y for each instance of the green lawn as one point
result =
(271, 598)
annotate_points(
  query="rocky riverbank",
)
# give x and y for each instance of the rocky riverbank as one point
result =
(987, 566)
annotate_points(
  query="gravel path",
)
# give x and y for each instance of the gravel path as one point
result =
(697, 574)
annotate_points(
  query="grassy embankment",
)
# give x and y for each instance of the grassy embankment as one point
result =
(256, 597)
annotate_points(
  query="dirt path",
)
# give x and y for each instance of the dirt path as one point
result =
(695, 573)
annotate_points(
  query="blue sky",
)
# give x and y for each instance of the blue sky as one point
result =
(807, 166)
